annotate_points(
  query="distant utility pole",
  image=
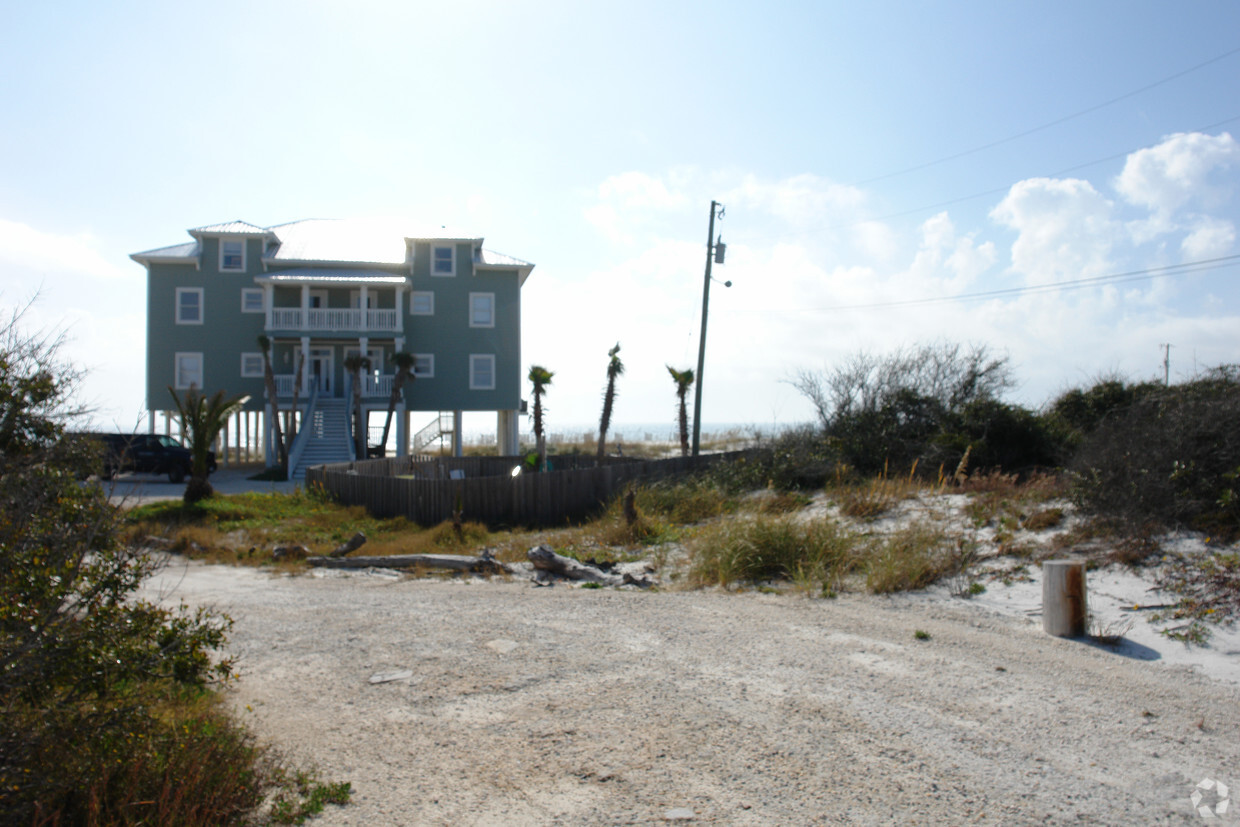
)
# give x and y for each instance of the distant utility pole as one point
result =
(1166, 363)
(714, 253)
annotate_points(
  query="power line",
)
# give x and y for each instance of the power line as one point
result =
(1049, 124)
(1051, 287)
(997, 190)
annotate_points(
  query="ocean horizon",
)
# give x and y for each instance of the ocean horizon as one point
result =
(632, 431)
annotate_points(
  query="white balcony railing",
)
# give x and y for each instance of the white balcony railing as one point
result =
(333, 319)
(372, 386)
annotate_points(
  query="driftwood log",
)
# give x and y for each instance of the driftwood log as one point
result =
(355, 542)
(544, 559)
(484, 562)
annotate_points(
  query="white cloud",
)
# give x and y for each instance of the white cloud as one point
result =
(48, 253)
(1208, 238)
(799, 201)
(641, 191)
(1179, 171)
(1065, 228)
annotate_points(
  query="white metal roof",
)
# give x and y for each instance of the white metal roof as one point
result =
(229, 228)
(177, 252)
(343, 242)
(491, 258)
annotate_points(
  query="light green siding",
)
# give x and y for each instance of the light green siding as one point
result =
(226, 332)
(223, 336)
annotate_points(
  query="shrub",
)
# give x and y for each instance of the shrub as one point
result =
(816, 552)
(98, 688)
(799, 459)
(685, 501)
(926, 406)
(1171, 457)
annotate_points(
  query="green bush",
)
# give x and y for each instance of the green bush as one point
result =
(801, 459)
(1172, 457)
(817, 553)
(101, 692)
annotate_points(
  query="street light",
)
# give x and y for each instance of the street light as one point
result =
(715, 251)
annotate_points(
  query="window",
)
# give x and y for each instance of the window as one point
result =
(355, 299)
(482, 372)
(424, 365)
(232, 255)
(188, 371)
(252, 364)
(482, 310)
(251, 300)
(189, 305)
(422, 303)
(443, 261)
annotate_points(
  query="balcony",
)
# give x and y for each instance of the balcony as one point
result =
(372, 386)
(333, 320)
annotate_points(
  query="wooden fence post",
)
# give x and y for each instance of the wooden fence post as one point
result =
(1064, 609)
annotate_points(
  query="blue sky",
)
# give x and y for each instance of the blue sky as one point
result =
(590, 139)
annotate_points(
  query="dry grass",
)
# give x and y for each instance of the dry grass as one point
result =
(911, 558)
(816, 553)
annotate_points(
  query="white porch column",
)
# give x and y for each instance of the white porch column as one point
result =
(507, 435)
(400, 311)
(458, 449)
(305, 307)
(269, 300)
(402, 430)
(305, 374)
(364, 302)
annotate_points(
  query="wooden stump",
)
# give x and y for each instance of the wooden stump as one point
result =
(1064, 611)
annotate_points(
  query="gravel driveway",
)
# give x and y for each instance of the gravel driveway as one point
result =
(471, 702)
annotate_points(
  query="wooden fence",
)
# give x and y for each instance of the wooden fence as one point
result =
(426, 490)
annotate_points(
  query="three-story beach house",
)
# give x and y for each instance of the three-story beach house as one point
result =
(326, 290)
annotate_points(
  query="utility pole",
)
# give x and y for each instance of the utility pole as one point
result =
(1166, 364)
(711, 255)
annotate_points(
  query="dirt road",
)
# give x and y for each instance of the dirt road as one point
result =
(523, 705)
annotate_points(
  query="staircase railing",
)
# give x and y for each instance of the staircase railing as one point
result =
(305, 431)
(348, 395)
(433, 431)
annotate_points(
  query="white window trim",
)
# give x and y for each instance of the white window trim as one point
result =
(202, 310)
(429, 294)
(451, 248)
(250, 291)
(321, 295)
(355, 300)
(489, 296)
(474, 358)
(430, 374)
(224, 269)
(254, 374)
(176, 371)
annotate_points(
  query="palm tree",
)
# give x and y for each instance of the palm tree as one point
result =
(202, 419)
(269, 378)
(540, 378)
(355, 364)
(293, 428)
(683, 380)
(404, 363)
(614, 368)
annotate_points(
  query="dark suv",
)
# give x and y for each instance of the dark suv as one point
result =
(146, 453)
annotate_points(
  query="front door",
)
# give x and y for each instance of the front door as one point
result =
(319, 369)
